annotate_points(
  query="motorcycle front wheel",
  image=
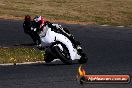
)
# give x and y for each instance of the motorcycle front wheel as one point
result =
(48, 57)
(63, 55)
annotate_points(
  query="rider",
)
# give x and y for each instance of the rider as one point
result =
(27, 26)
(39, 23)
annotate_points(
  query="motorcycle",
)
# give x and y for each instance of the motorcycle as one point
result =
(60, 46)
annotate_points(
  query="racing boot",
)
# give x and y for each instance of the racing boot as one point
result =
(40, 47)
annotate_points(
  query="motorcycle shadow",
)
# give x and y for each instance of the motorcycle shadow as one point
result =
(56, 63)
(25, 44)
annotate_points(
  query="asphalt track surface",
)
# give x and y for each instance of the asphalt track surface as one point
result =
(109, 50)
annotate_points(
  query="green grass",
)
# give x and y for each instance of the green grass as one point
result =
(115, 12)
(19, 55)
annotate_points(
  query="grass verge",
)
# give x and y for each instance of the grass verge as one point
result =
(19, 55)
(115, 12)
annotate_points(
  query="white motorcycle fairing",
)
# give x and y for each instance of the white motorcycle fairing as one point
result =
(50, 36)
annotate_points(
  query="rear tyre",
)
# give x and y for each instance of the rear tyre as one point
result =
(63, 55)
(83, 58)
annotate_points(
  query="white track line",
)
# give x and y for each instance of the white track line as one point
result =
(27, 63)
(105, 25)
(5, 47)
(120, 26)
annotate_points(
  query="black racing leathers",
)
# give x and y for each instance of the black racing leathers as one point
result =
(33, 34)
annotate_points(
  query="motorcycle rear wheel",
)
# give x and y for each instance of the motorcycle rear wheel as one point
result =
(83, 58)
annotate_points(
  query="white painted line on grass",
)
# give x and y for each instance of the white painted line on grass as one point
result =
(121, 26)
(27, 63)
(105, 25)
(5, 47)
(8, 64)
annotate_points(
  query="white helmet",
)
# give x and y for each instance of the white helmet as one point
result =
(39, 21)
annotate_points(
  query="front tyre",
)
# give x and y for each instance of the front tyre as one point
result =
(47, 56)
(63, 55)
